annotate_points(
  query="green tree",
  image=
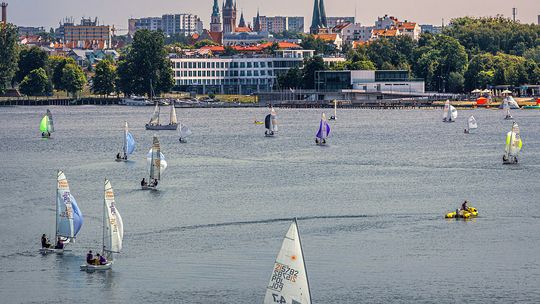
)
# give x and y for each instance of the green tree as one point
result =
(204, 42)
(321, 47)
(30, 59)
(56, 68)
(229, 51)
(291, 79)
(311, 66)
(9, 55)
(456, 82)
(146, 68)
(36, 83)
(73, 79)
(103, 82)
(362, 65)
(533, 54)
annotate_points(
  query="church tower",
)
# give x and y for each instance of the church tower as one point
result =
(257, 25)
(318, 20)
(229, 16)
(215, 20)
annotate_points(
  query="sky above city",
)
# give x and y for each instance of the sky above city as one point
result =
(48, 13)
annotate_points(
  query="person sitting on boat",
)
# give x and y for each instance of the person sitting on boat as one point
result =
(155, 182)
(466, 131)
(143, 183)
(464, 206)
(59, 244)
(118, 156)
(125, 157)
(90, 257)
(102, 260)
(97, 259)
(45, 241)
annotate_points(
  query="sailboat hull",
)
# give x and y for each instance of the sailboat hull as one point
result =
(90, 268)
(120, 160)
(510, 161)
(149, 188)
(46, 251)
(161, 127)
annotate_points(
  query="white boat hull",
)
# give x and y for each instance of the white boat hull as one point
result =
(46, 251)
(90, 268)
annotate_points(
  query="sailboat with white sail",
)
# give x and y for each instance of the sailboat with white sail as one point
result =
(323, 132)
(156, 166)
(185, 132)
(513, 145)
(113, 232)
(46, 126)
(155, 123)
(289, 280)
(334, 117)
(270, 123)
(472, 125)
(129, 145)
(506, 109)
(69, 218)
(449, 113)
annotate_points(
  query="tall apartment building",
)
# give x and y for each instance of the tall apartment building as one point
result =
(280, 24)
(170, 24)
(87, 35)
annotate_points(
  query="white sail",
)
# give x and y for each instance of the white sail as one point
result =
(446, 110)
(452, 114)
(173, 118)
(156, 160)
(513, 141)
(113, 226)
(289, 282)
(185, 131)
(274, 120)
(64, 209)
(154, 120)
(51, 122)
(472, 123)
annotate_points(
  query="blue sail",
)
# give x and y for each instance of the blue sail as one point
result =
(130, 143)
(327, 128)
(324, 129)
(77, 216)
(319, 133)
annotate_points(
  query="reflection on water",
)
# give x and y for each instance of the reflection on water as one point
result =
(370, 207)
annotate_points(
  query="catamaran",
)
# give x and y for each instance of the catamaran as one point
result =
(129, 145)
(449, 113)
(157, 165)
(471, 125)
(155, 124)
(513, 145)
(69, 218)
(506, 108)
(335, 111)
(46, 125)
(270, 122)
(113, 231)
(323, 132)
(185, 132)
(289, 281)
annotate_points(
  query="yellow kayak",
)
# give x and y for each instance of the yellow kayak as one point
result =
(465, 214)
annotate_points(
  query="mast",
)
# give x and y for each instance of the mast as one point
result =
(303, 259)
(56, 207)
(125, 139)
(103, 219)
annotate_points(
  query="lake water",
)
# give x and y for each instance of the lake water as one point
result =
(370, 206)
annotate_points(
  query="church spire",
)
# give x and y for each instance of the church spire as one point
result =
(215, 8)
(322, 14)
(257, 25)
(242, 22)
(316, 19)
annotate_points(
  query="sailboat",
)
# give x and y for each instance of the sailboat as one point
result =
(513, 145)
(289, 281)
(270, 123)
(335, 111)
(46, 125)
(69, 218)
(450, 113)
(155, 124)
(113, 231)
(157, 165)
(185, 132)
(129, 145)
(506, 108)
(323, 132)
(471, 125)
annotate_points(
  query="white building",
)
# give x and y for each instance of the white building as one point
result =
(365, 81)
(237, 74)
(280, 24)
(186, 24)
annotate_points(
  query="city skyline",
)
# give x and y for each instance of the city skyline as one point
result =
(116, 13)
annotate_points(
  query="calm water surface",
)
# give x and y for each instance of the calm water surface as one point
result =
(370, 207)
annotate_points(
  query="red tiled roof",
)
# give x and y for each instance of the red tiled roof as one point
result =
(326, 37)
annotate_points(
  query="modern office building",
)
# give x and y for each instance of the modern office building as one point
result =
(242, 74)
(280, 24)
(368, 81)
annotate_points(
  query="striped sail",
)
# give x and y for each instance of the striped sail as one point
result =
(69, 218)
(113, 226)
(156, 160)
(289, 282)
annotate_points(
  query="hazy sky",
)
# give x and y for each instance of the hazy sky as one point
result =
(48, 12)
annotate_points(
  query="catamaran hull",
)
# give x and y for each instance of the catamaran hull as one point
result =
(162, 127)
(90, 268)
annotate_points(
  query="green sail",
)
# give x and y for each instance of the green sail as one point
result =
(43, 126)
